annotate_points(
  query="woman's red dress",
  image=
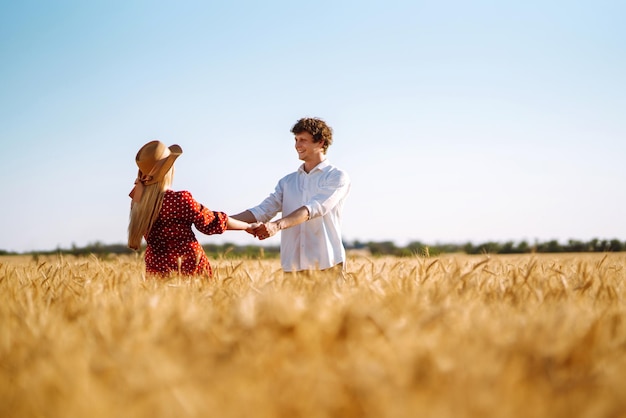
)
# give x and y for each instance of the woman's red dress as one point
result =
(172, 245)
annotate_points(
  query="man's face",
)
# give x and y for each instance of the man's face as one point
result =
(306, 148)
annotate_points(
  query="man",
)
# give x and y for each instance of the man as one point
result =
(311, 202)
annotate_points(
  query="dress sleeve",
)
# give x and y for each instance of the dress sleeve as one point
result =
(205, 220)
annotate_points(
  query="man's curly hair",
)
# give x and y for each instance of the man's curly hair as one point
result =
(316, 127)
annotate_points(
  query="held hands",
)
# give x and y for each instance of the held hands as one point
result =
(252, 227)
(263, 230)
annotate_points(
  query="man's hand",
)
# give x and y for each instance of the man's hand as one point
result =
(266, 230)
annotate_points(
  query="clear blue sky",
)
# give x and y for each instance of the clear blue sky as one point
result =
(456, 120)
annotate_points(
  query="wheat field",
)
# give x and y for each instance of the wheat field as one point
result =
(449, 336)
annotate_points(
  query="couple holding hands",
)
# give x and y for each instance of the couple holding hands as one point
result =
(310, 201)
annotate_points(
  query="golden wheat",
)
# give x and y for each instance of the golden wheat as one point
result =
(450, 336)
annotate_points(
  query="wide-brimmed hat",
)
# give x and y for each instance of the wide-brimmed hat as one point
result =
(154, 160)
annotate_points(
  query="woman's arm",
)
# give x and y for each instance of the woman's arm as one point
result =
(237, 225)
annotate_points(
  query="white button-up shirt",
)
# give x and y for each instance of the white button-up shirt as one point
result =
(316, 243)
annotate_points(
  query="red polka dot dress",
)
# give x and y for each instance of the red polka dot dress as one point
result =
(172, 246)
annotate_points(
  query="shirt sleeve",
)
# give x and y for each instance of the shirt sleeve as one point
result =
(269, 207)
(332, 190)
(205, 220)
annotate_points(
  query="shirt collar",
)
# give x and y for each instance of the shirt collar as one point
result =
(320, 166)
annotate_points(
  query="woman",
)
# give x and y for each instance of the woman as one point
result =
(164, 217)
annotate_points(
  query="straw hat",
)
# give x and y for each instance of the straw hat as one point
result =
(154, 160)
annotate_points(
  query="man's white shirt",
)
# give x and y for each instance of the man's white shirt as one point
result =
(316, 243)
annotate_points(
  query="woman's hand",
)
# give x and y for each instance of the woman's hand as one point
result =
(266, 230)
(253, 227)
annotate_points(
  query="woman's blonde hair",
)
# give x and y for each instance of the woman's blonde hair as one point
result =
(144, 213)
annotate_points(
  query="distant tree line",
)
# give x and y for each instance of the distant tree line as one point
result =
(101, 250)
(229, 250)
(509, 247)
